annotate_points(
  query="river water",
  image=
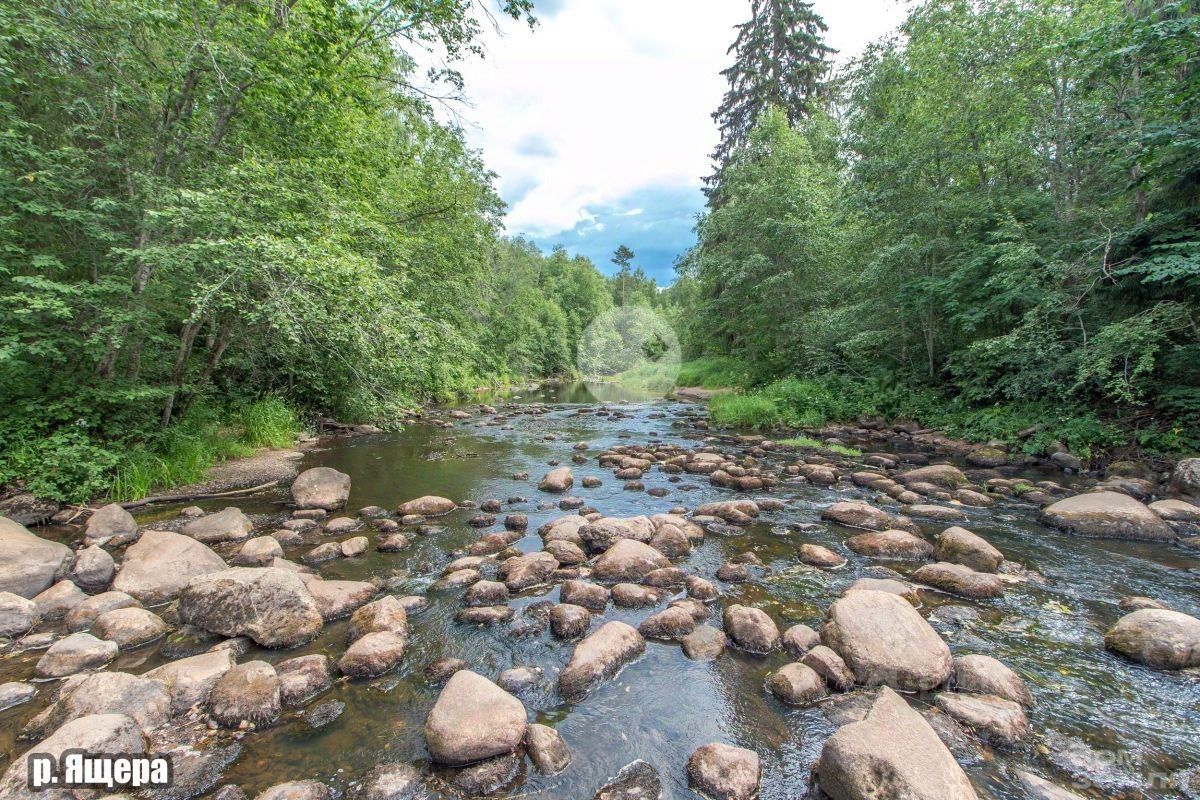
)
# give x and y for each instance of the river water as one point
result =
(1106, 726)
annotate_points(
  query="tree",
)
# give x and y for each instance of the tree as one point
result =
(622, 257)
(780, 60)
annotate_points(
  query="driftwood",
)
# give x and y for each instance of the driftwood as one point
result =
(179, 498)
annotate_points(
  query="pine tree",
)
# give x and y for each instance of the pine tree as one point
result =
(622, 257)
(780, 59)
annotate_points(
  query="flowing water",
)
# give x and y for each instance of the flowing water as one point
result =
(1107, 726)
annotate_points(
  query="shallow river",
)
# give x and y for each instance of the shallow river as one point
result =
(1125, 730)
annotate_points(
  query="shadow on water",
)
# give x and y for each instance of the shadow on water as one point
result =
(1096, 716)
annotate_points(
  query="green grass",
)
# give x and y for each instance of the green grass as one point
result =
(269, 423)
(652, 377)
(713, 372)
(813, 444)
(744, 411)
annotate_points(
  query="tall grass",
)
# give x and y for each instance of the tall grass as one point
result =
(269, 423)
(713, 372)
(744, 411)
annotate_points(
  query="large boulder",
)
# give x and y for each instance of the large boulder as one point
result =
(143, 699)
(129, 627)
(856, 514)
(78, 652)
(557, 480)
(321, 487)
(29, 564)
(1108, 515)
(1158, 638)
(58, 600)
(750, 629)
(473, 719)
(1185, 479)
(960, 580)
(161, 563)
(427, 506)
(81, 617)
(373, 654)
(628, 560)
(189, 680)
(892, 754)
(227, 525)
(527, 571)
(269, 605)
(961, 546)
(943, 476)
(979, 674)
(892, 544)
(997, 720)
(99, 733)
(112, 525)
(724, 772)
(93, 569)
(883, 639)
(600, 656)
(18, 615)
(603, 533)
(246, 692)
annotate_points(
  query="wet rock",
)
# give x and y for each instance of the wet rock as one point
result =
(527, 571)
(29, 564)
(750, 629)
(303, 678)
(337, 599)
(85, 613)
(259, 552)
(830, 666)
(979, 674)
(391, 782)
(55, 602)
(601, 534)
(885, 641)
(491, 776)
(428, 506)
(190, 680)
(13, 694)
(892, 754)
(392, 543)
(1158, 638)
(736, 512)
(519, 679)
(600, 656)
(557, 480)
(591, 596)
(473, 719)
(484, 615)
(98, 733)
(269, 605)
(459, 578)
(250, 692)
(354, 546)
(944, 476)
(228, 525)
(547, 750)
(341, 525)
(628, 560)
(636, 781)
(670, 624)
(822, 557)
(1037, 788)
(486, 593)
(891, 544)
(733, 573)
(997, 720)
(296, 790)
(799, 639)
(323, 714)
(94, 568)
(960, 580)
(18, 615)
(931, 512)
(665, 578)
(566, 553)
(323, 552)
(441, 670)
(701, 589)
(856, 514)
(1138, 603)
(796, 685)
(671, 542)
(633, 595)
(1185, 478)
(1109, 515)
(889, 585)
(75, 653)
(705, 643)
(724, 772)
(321, 487)
(129, 627)
(161, 563)
(568, 621)
(961, 546)
(144, 700)
(111, 525)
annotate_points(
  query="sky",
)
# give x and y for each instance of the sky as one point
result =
(597, 122)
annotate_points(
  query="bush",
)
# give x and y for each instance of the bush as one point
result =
(269, 423)
(744, 411)
(714, 372)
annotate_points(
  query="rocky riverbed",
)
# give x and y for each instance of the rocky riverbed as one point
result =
(562, 598)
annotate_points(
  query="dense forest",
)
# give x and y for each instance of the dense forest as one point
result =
(218, 219)
(987, 222)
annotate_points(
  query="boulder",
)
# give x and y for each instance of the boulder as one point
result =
(547, 750)
(796, 685)
(81, 617)
(987, 457)
(373, 654)
(29, 564)
(961, 546)
(391, 782)
(750, 629)
(99, 733)
(890, 585)
(111, 525)
(78, 652)
(1109, 515)
(892, 544)
(943, 476)
(428, 506)
(701, 589)
(960, 580)
(302, 678)
(473, 719)
(568, 621)
(724, 772)
(144, 700)
(830, 666)
(891, 754)
(566, 553)
(161, 563)
(129, 627)
(937, 513)
(58, 600)
(705, 643)
(671, 624)
(94, 568)
(269, 605)
(600, 656)
(636, 781)
(1037, 788)
(884, 641)
(1185, 478)
(557, 480)
(799, 639)
(633, 595)
(1158, 638)
(250, 692)
(814, 555)
(321, 487)
(591, 596)
(601, 534)
(15, 693)
(227, 525)
(385, 614)
(997, 720)
(18, 615)
(628, 560)
(979, 674)
(337, 599)
(261, 551)
(296, 790)
(527, 571)
(190, 680)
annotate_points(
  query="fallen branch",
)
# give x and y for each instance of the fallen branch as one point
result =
(179, 498)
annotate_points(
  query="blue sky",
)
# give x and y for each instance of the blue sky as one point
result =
(597, 123)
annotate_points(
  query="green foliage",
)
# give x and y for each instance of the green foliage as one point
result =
(269, 422)
(713, 372)
(744, 411)
(812, 444)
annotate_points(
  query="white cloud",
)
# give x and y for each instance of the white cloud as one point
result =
(608, 97)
